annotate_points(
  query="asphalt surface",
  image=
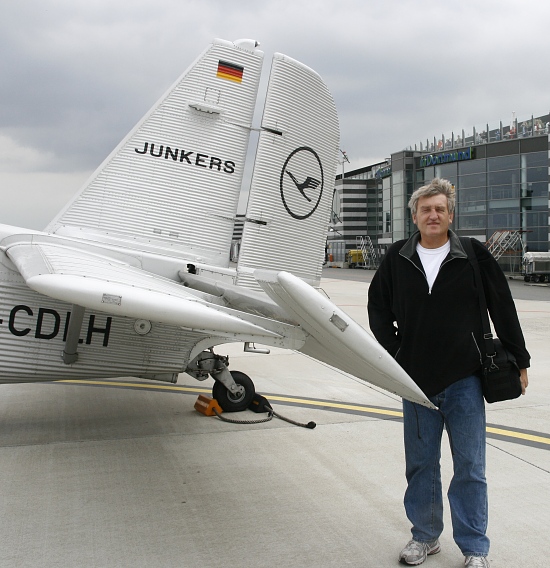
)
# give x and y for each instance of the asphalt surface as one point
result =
(520, 289)
(126, 473)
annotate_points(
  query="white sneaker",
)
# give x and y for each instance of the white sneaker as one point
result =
(416, 552)
(476, 562)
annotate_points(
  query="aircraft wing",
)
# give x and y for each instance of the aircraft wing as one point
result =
(335, 338)
(97, 282)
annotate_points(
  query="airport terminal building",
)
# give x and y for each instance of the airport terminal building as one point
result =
(502, 185)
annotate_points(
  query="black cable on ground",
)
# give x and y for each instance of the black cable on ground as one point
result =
(309, 425)
(233, 421)
(261, 404)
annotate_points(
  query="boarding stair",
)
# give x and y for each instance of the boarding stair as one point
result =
(364, 244)
(505, 242)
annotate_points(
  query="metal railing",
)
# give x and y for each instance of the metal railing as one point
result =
(538, 126)
(505, 241)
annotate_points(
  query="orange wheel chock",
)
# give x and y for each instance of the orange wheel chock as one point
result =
(206, 405)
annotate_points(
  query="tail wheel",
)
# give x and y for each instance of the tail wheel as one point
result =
(235, 402)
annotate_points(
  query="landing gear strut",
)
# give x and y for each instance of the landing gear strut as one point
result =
(233, 390)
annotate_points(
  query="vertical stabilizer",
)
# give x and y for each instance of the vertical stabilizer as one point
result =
(174, 181)
(292, 184)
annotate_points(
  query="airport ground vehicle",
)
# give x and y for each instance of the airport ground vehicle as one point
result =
(355, 258)
(536, 266)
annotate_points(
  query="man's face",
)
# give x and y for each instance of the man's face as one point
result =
(432, 217)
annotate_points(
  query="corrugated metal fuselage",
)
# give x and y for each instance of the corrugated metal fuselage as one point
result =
(33, 330)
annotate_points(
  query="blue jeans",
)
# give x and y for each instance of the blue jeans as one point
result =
(462, 412)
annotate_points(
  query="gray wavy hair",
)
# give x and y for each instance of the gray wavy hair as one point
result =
(436, 187)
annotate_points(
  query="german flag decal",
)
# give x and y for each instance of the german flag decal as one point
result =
(230, 71)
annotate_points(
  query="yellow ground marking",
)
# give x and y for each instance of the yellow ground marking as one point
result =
(138, 385)
(520, 435)
(324, 404)
(328, 404)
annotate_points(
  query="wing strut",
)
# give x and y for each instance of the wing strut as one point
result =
(70, 354)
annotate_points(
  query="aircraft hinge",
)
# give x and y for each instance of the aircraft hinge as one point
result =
(251, 348)
(257, 221)
(272, 130)
(70, 354)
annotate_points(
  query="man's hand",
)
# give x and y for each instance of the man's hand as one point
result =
(524, 380)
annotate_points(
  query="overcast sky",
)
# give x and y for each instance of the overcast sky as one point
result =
(77, 75)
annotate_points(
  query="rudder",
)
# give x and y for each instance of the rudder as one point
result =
(292, 184)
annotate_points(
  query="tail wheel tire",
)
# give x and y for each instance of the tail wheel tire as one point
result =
(234, 402)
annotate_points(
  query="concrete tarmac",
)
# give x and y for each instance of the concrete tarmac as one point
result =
(125, 473)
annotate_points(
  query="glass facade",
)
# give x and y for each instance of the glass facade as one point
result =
(508, 192)
(501, 185)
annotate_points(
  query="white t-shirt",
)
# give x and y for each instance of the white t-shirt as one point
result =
(431, 260)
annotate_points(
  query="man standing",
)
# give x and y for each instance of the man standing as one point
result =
(424, 310)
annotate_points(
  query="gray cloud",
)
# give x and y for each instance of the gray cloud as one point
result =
(76, 76)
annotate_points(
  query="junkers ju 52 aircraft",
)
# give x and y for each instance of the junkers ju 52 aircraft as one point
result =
(132, 278)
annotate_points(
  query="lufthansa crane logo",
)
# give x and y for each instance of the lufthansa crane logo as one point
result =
(302, 182)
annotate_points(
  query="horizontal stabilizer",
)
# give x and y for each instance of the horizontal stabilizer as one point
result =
(237, 297)
(100, 283)
(336, 339)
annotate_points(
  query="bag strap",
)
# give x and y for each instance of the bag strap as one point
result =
(487, 334)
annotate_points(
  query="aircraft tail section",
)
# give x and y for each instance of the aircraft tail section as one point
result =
(293, 180)
(174, 181)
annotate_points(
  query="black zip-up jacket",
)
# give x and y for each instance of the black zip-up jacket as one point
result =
(437, 337)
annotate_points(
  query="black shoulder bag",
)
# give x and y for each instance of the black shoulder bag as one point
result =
(500, 376)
